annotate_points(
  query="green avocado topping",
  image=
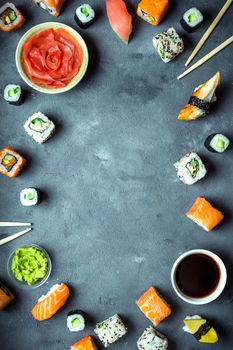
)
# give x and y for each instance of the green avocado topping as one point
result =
(85, 11)
(29, 196)
(162, 53)
(220, 143)
(39, 125)
(192, 18)
(75, 322)
(29, 265)
(13, 92)
(193, 167)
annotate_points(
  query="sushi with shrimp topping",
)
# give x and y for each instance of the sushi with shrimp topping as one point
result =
(201, 329)
(151, 339)
(168, 44)
(191, 20)
(13, 94)
(201, 100)
(217, 143)
(39, 127)
(75, 321)
(190, 168)
(84, 16)
(110, 330)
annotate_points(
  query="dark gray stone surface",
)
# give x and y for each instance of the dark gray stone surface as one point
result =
(112, 217)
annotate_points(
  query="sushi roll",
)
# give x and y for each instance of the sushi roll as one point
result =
(5, 296)
(154, 307)
(204, 214)
(217, 143)
(190, 168)
(110, 330)
(10, 17)
(201, 329)
(85, 343)
(151, 339)
(49, 304)
(168, 44)
(51, 6)
(13, 94)
(84, 16)
(11, 162)
(75, 321)
(39, 127)
(201, 100)
(29, 197)
(152, 11)
(191, 20)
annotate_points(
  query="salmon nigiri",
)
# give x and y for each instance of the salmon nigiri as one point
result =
(85, 343)
(50, 303)
(201, 100)
(203, 214)
(119, 19)
(153, 306)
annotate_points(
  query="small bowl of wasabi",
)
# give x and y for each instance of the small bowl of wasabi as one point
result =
(29, 266)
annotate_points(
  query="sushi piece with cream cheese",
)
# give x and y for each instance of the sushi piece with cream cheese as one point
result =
(201, 329)
(110, 330)
(152, 11)
(168, 44)
(151, 339)
(190, 168)
(39, 127)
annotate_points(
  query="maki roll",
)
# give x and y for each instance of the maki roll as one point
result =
(191, 20)
(5, 296)
(201, 329)
(11, 162)
(201, 100)
(110, 330)
(86, 343)
(75, 321)
(168, 44)
(84, 16)
(190, 168)
(217, 143)
(29, 196)
(152, 11)
(151, 339)
(51, 6)
(10, 17)
(13, 94)
(39, 127)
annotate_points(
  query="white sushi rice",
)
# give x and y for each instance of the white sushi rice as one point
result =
(82, 16)
(184, 171)
(52, 289)
(15, 97)
(216, 139)
(168, 44)
(42, 135)
(110, 330)
(29, 197)
(194, 317)
(151, 339)
(75, 322)
(193, 12)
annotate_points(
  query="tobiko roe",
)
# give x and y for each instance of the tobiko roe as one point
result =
(52, 58)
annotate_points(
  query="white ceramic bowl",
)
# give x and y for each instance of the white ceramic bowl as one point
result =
(216, 293)
(33, 31)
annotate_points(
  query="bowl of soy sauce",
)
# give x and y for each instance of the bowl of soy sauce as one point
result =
(199, 276)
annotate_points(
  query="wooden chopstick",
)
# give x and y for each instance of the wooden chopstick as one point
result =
(207, 57)
(14, 224)
(209, 31)
(14, 236)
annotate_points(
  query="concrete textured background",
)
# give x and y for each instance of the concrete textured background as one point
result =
(112, 216)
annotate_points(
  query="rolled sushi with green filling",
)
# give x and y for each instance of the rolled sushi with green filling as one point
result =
(39, 127)
(191, 20)
(29, 197)
(84, 16)
(75, 321)
(13, 94)
(217, 143)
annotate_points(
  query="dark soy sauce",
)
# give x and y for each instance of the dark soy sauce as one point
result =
(197, 275)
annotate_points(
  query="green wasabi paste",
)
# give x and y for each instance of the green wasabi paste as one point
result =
(29, 265)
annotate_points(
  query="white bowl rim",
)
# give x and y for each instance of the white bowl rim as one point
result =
(222, 282)
(37, 28)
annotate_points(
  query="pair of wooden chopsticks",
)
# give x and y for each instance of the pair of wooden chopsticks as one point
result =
(15, 235)
(203, 40)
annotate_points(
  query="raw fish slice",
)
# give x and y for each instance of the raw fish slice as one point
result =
(119, 19)
(203, 214)
(205, 93)
(49, 304)
(85, 343)
(153, 306)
